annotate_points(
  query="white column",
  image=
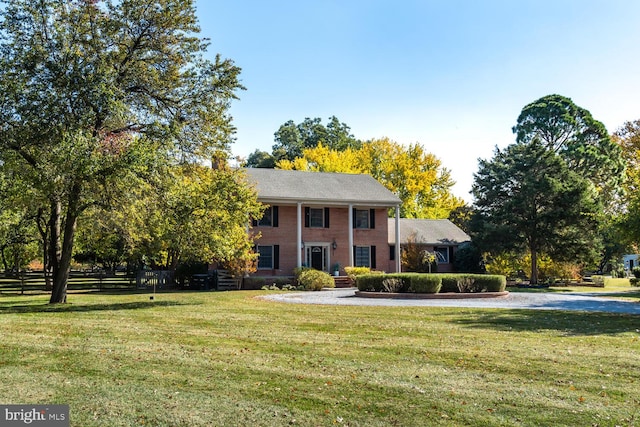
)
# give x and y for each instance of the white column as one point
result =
(350, 213)
(398, 261)
(299, 235)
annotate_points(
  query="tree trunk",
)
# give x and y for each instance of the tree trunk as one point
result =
(534, 267)
(4, 259)
(64, 251)
(61, 274)
(43, 229)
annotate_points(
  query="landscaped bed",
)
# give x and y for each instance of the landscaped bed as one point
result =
(422, 285)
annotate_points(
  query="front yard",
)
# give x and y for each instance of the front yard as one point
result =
(202, 359)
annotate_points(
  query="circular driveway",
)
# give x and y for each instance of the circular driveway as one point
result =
(534, 301)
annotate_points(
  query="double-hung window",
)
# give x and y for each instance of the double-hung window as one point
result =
(316, 217)
(364, 256)
(269, 218)
(364, 218)
(268, 257)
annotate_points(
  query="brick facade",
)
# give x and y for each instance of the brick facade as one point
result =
(319, 242)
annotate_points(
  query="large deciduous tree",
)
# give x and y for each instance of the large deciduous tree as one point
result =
(628, 138)
(292, 139)
(190, 225)
(528, 199)
(416, 176)
(91, 91)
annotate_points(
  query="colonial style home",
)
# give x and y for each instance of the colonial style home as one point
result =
(324, 221)
(440, 236)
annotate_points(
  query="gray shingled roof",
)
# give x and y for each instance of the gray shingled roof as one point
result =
(285, 186)
(428, 231)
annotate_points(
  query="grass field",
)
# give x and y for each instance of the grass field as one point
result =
(230, 359)
(619, 289)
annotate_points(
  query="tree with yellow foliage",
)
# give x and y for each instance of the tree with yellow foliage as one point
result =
(416, 176)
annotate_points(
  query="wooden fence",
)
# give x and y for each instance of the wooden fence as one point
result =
(220, 280)
(34, 282)
(226, 281)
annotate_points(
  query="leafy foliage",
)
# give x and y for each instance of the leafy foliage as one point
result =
(469, 259)
(292, 139)
(399, 282)
(527, 199)
(93, 93)
(513, 265)
(415, 176)
(469, 283)
(260, 159)
(354, 272)
(628, 225)
(315, 280)
(415, 258)
(581, 141)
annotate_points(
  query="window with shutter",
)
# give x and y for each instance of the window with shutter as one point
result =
(315, 217)
(362, 256)
(361, 218)
(269, 218)
(265, 257)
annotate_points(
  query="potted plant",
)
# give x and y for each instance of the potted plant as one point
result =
(336, 269)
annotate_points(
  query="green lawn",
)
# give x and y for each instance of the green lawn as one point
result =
(619, 289)
(227, 359)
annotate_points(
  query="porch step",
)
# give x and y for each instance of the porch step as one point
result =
(342, 281)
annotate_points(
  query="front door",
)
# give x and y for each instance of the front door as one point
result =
(317, 258)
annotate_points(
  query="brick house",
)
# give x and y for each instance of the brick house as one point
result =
(320, 219)
(440, 236)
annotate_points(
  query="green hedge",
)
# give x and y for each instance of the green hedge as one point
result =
(463, 283)
(399, 282)
(431, 283)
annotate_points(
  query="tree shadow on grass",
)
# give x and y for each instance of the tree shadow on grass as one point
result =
(70, 307)
(570, 323)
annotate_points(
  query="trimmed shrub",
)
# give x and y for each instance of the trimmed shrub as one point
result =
(463, 283)
(431, 283)
(425, 283)
(369, 282)
(315, 280)
(634, 281)
(399, 282)
(490, 283)
(298, 271)
(392, 284)
(354, 272)
(636, 272)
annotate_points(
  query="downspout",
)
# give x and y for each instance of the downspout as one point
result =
(350, 215)
(299, 235)
(397, 248)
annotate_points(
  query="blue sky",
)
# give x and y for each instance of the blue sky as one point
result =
(452, 75)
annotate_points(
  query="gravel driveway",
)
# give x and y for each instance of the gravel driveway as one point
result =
(534, 301)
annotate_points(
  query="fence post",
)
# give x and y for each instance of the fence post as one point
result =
(21, 273)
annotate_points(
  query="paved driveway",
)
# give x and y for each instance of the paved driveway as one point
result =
(534, 301)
